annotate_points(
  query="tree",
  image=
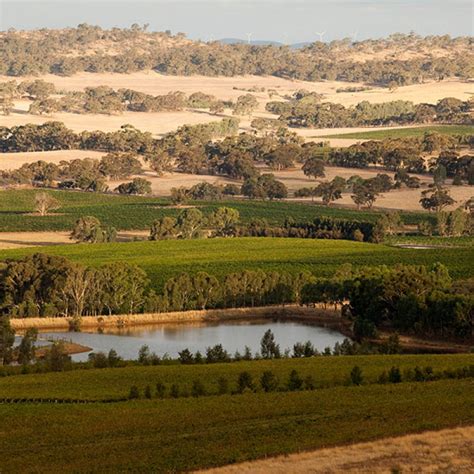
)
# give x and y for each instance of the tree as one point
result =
(89, 229)
(436, 198)
(330, 191)
(269, 349)
(189, 223)
(120, 165)
(439, 175)
(364, 195)
(57, 359)
(76, 288)
(123, 287)
(45, 203)
(7, 339)
(39, 89)
(245, 105)
(314, 167)
(26, 349)
(163, 229)
(136, 186)
(224, 220)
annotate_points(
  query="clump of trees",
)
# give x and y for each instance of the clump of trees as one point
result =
(89, 229)
(305, 109)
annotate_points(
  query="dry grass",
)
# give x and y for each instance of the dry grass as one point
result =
(11, 161)
(15, 240)
(450, 450)
(223, 88)
(328, 316)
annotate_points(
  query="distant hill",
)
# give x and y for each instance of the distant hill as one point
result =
(262, 42)
(253, 42)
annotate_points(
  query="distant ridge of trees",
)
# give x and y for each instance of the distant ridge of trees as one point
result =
(135, 49)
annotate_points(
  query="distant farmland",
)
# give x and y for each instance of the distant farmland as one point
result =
(406, 132)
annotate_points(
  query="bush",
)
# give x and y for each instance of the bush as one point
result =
(356, 376)
(245, 382)
(134, 393)
(160, 390)
(198, 389)
(394, 375)
(295, 382)
(174, 392)
(268, 381)
(148, 392)
(222, 386)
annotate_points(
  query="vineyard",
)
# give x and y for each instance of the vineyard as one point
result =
(164, 259)
(158, 435)
(137, 213)
(109, 384)
(407, 132)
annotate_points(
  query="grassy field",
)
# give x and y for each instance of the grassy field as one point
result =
(106, 384)
(435, 241)
(407, 132)
(136, 213)
(189, 433)
(164, 259)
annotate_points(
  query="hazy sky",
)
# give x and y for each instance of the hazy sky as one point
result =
(281, 20)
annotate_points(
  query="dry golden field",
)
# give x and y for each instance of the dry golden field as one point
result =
(449, 451)
(223, 88)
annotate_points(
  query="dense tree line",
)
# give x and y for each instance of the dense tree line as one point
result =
(407, 155)
(85, 174)
(306, 109)
(48, 51)
(105, 100)
(409, 298)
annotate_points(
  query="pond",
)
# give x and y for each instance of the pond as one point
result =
(172, 338)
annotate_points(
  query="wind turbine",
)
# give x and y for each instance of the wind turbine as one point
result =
(354, 36)
(321, 36)
(249, 38)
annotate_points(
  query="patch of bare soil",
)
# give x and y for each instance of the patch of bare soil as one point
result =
(450, 450)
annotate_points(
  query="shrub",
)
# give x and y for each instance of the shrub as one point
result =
(394, 375)
(245, 382)
(134, 393)
(160, 390)
(268, 381)
(295, 382)
(356, 376)
(198, 389)
(222, 386)
(174, 391)
(148, 392)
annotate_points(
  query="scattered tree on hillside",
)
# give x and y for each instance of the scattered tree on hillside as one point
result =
(436, 198)
(45, 203)
(136, 186)
(89, 229)
(314, 167)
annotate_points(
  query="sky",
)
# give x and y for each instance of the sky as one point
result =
(286, 21)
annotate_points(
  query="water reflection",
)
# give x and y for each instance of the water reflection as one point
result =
(170, 339)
